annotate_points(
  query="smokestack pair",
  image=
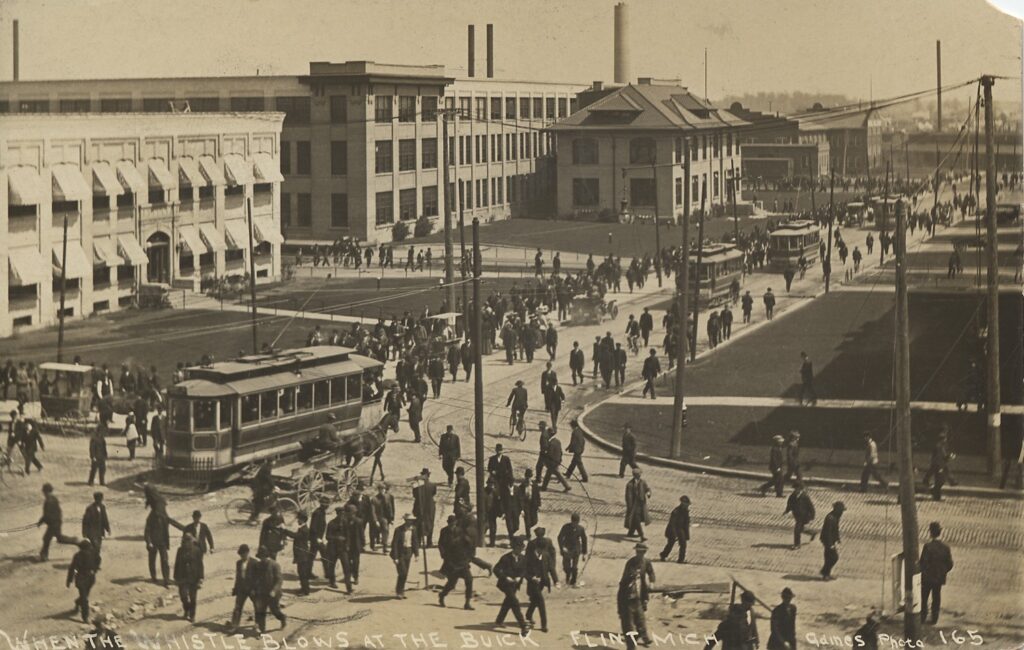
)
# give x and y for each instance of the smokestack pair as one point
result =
(490, 51)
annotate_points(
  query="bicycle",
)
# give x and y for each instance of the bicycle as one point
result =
(239, 511)
(517, 423)
(634, 344)
(6, 466)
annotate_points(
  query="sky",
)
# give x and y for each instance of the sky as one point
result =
(861, 48)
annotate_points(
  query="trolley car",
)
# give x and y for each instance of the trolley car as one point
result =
(720, 265)
(791, 241)
(261, 406)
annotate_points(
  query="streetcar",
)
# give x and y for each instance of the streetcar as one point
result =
(720, 265)
(885, 210)
(260, 406)
(791, 241)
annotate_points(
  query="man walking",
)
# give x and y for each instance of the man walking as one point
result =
(638, 493)
(807, 381)
(783, 623)
(572, 541)
(776, 467)
(510, 572)
(53, 518)
(266, 590)
(619, 365)
(800, 504)
(769, 303)
(646, 326)
(576, 362)
(158, 542)
(936, 563)
(82, 572)
(650, 372)
(632, 596)
(200, 532)
(793, 456)
(457, 557)
(553, 462)
(188, 575)
(628, 450)
(382, 509)
(577, 444)
(423, 508)
(243, 586)
(98, 456)
(449, 450)
(871, 464)
(337, 551)
(95, 524)
(302, 552)
(830, 539)
(404, 545)
(678, 530)
(747, 306)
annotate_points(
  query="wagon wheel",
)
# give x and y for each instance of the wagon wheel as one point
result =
(310, 488)
(238, 511)
(69, 423)
(614, 311)
(346, 480)
(288, 509)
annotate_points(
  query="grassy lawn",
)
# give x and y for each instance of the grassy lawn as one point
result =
(830, 439)
(587, 237)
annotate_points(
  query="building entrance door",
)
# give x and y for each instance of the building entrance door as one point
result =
(158, 249)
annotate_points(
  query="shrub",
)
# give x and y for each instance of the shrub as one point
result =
(423, 227)
(399, 231)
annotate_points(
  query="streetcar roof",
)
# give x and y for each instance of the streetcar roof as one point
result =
(798, 227)
(718, 253)
(261, 383)
(65, 367)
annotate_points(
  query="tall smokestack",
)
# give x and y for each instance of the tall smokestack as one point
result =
(938, 84)
(471, 36)
(15, 44)
(623, 70)
(490, 51)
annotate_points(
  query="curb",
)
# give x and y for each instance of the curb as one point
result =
(713, 470)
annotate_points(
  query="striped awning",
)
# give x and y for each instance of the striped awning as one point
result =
(104, 252)
(189, 174)
(266, 170)
(189, 237)
(238, 170)
(78, 264)
(131, 250)
(266, 231)
(24, 187)
(28, 266)
(211, 170)
(69, 184)
(105, 180)
(130, 177)
(214, 240)
(238, 233)
(160, 178)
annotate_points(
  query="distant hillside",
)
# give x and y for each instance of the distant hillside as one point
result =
(793, 102)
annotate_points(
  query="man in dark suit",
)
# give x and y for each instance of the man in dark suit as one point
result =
(510, 572)
(572, 541)
(82, 572)
(318, 528)
(97, 457)
(632, 596)
(382, 510)
(189, 575)
(449, 450)
(776, 466)
(266, 591)
(936, 563)
(577, 445)
(628, 450)
(53, 518)
(302, 554)
(751, 639)
(799, 503)
(678, 530)
(201, 532)
(95, 524)
(830, 539)
(576, 362)
(423, 507)
(553, 462)
(404, 545)
(499, 467)
(646, 322)
(619, 359)
(783, 623)
(650, 371)
(242, 589)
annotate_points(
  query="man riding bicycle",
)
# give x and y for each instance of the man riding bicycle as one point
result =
(633, 335)
(518, 402)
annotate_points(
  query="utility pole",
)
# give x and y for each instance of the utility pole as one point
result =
(478, 386)
(826, 264)
(449, 253)
(906, 156)
(735, 219)
(908, 507)
(885, 198)
(63, 290)
(463, 270)
(698, 273)
(657, 226)
(938, 85)
(682, 282)
(993, 398)
(252, 273)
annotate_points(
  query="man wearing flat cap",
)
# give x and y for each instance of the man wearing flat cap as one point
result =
(776, 467)
(783, 623)
(633, 594)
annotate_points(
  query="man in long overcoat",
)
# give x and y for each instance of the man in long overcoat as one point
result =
(637, 513)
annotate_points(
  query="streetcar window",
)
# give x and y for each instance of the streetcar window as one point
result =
(355, 386)
(305, 397)
(286, 399)
(179, 415)
(337, 390)
(268, 405)
(250, 408)
(225, 412)
(205, 413)
(322, 393)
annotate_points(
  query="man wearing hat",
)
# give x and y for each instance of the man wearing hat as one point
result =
(751, 639)
(158, 539)
(382, 507)
(511, 571)
(783, 623)
(404, 545)
(518, 402)
(552, 457)
(337, 550)
(799, 503)
(423, 507)
(354, 538)
(463, 497)
(201, 532)
(245, 569)
(266, 591)
(499, 466)
(678, 530)
(460, 547)
(302, 554)
(82, 572)
(449, 450)
(272, 532)
(633, 594)
(939, 467)
(53, 518)
(637, 514)
(776, 467)
(95, 524)
(936, 563)
(318, 529)
(830, 538)
(539, 569)
(577, 445)
(731, 631)
(188, 574)
(572, 541)
(871, 464)
(628, 450)
(793, 456)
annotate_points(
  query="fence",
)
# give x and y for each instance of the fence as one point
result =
(198, 475)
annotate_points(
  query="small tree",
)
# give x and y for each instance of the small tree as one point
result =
(423, 227)
(399, 231)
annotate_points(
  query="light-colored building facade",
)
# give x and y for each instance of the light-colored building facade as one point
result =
(361, 145)
(628, 151)
(144, 199)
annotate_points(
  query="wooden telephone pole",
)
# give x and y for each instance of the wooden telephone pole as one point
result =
(478, 386)
(682, 282)
(252, 274)
(449, 253)
(993, 397)
(657, 226)
(697, 278)
(63, 290)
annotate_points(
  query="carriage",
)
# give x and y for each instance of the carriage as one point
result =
(592, 309)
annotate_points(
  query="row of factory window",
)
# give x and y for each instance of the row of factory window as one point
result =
(586, 192)
(643, 151)
(297, 109)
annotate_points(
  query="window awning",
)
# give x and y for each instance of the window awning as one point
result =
(214, 240)
(189, 237)
(211, 170)
(69, 184)
(24, 186)
(105, 252)
(78, 264)
(130, 178)
(237, 232)
(266, 170)
(131, 250)
(237, 170)
(189, 174)
(27, 267)
(266, 231)
(159, 177)
(105, 180)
